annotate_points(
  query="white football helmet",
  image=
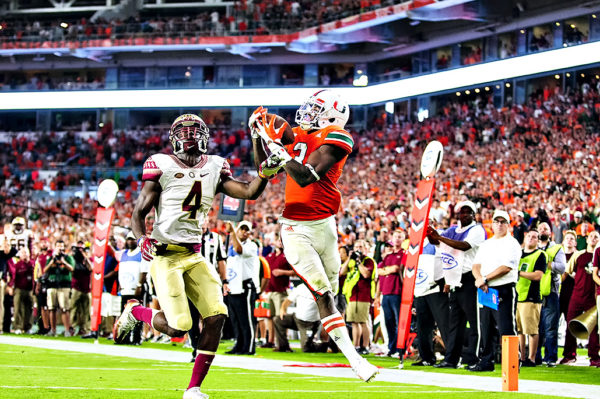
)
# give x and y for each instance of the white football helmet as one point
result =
(188, 132)
(322, 109)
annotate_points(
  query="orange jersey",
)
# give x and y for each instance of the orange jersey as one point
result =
(322, 198)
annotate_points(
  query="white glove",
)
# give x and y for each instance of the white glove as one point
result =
(279, 151)
(256, 119)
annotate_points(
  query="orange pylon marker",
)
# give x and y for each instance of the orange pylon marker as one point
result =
(510, 363)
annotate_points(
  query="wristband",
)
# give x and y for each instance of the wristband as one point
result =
(260, 174)
(312, 170)
(225, 281)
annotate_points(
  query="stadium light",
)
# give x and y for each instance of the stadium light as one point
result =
(449, 80)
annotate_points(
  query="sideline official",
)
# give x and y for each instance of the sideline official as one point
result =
(497, 265)
(459, 243)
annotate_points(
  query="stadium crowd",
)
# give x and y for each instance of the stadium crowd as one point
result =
(538, 161)
(247, 18)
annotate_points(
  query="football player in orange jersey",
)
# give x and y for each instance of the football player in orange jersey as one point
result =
(313, 158)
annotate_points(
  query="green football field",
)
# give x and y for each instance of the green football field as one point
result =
(28, 372)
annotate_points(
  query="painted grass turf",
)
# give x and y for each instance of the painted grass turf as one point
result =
(40, 373)
(577, 375)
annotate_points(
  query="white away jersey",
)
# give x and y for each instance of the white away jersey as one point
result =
(24, 239)
(187, 195)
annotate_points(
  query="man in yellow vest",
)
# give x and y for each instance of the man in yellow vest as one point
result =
(550, 287)
(359, 289)
(531, 269)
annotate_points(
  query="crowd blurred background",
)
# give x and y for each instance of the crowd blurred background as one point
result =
(537, 160)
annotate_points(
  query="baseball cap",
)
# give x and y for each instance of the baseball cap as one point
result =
(520, 213)
(498, 213)
(245, 223)
(130, 236)
(462, 204)
(576, 214)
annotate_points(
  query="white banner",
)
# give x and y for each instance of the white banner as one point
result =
(452, 261)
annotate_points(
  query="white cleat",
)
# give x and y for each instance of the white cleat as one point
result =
(194, 393)
(126, 322)
(365, 370)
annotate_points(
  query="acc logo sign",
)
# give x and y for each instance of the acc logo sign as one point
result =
(421, 277)
(231, 274)
(448, 261)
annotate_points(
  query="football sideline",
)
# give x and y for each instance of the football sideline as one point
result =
(245, 365)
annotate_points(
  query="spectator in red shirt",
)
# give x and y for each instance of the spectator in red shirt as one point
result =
(389, 287)
(20, 269)
(41, 286)
(584, 297)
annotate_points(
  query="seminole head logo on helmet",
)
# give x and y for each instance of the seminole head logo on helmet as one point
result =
(322, 109)
(188, 133)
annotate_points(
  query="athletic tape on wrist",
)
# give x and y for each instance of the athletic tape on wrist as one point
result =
(312, 170)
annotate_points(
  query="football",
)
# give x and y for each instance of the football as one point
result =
(432, 159)
(288, 134)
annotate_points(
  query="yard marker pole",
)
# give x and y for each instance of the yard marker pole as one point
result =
(419, 221)
(106, 195)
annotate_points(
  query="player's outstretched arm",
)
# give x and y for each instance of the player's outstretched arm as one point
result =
(147, 199)
(317, 165)
(259, 152)
(243, 190)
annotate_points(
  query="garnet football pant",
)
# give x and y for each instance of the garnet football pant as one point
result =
(179, 274)
(311, 248)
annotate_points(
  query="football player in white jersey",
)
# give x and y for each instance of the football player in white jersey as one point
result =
(19, 236)
(181, 188)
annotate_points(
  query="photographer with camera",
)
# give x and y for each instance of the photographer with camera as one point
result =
(40, 286)
(359, 289)
(80, 289)
(58, 269)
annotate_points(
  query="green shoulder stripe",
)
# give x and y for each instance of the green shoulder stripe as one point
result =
(340, 137)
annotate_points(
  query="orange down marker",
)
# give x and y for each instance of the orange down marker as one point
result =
(510, 363)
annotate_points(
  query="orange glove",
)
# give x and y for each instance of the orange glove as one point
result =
(275, 133)
(257, 117)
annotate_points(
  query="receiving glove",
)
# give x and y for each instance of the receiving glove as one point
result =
(257, 117)
(279, 151)
(276, 133)
(147, 247)
(270, 167)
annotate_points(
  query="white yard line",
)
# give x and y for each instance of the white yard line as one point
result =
(481, 383)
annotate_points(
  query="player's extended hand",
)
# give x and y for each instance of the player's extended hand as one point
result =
(229, 228)
(270, 167)
(257, 117)
(275, 133)
(147, 247)
(279, 151)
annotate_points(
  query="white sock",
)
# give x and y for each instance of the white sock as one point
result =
(335, 326)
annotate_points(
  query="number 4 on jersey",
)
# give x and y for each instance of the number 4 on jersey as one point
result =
(193, 202)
